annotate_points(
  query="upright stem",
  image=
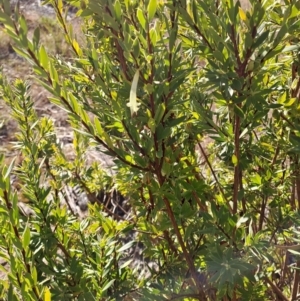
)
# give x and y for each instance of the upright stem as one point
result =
(185, 252)
(236, 168)
(297, 179)
(296, 282)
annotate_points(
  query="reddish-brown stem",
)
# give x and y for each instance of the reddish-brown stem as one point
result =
(186, 254)
(297, 180)
(241, 189)
(276, 290)
(293, 195)
(212, 171)
(236, 168)
(262, 213)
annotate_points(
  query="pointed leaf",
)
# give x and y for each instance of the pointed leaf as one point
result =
(152, 9)
(242, 14)
(108, 285)
(47, 294)
(132, 104)
(141, 18)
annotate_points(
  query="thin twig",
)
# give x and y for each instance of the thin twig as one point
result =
(212, 170)
(276, 290)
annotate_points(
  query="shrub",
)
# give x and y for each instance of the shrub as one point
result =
(197, 103)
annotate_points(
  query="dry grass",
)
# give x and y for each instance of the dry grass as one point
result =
(14, 67)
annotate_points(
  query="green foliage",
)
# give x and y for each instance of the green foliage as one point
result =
(197, 103)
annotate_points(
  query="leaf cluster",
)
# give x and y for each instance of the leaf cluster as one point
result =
(197, 103)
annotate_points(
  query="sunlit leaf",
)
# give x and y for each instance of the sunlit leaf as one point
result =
(47, 294)
(152, 6)
(234, 160)
(133, 104)
(242, 14)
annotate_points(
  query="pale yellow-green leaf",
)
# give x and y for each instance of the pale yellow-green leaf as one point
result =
(152, 6)
(129, 159)
(76, 47)
(141, 18)
(290, 102)
(44, 60)
(153, 36)
(98, 126)
(118, 9)
(60, 6)
(132, 104)
(108, 140)
(282, 98)
(47, 295)
(242, 14)
(113, 95)
(234, 160)
(294, 83)
(188, 8)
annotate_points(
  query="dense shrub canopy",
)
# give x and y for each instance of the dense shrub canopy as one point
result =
(197, 105)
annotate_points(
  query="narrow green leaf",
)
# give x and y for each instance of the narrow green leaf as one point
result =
(136, 48)
(256, 179)
(108, 140)
(238, 111)
(153, 36)
(152, 6)
(36, 37)
(118, 10)
(108, 285)
(5, 19)
(126, 247)
(98, 126)
(173, 37)
(261, 39)
(195, 12)
(73, 102)
(141, 18)
(126, 263)
(291, 48)
(26, 238)
(43, 56)
(7, 7)
(54, 75)
(23, 25)
(290, 102)
(282, 98)
(280, 35)
(77, 48)
(159, 113)
(244, 132)
(186, 16)
(9, 169)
